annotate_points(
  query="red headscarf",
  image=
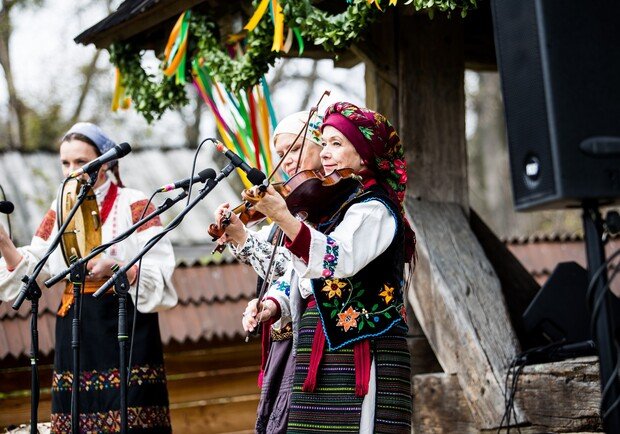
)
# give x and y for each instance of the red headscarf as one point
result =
(375, 139)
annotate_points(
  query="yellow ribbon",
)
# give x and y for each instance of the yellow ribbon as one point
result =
(278, 26)
(118, 97)
(258, 14)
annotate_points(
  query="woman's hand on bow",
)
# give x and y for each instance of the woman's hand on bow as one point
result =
(256, 313)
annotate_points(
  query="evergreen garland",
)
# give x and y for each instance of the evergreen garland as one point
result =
(152, 96)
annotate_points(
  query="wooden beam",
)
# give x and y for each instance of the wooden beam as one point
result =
(457, 299)
(556, 397)
(518, 286)
(378, 51)
(431, 102)
(562, 396)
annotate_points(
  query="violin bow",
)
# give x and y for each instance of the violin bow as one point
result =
(280, 236)
(303, 132)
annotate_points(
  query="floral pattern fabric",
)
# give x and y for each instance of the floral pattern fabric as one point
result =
(344, 303)
(257, 252)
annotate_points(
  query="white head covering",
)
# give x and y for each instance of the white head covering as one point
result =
(294, 123)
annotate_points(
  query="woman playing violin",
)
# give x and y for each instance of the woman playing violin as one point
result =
(255, 248)
(352, 369)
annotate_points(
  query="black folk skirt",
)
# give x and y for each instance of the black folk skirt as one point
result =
(147, 394)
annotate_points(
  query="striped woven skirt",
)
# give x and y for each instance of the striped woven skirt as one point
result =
(333, 406)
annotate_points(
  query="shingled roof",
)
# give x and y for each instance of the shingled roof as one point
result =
(540, 253)
(211, 299)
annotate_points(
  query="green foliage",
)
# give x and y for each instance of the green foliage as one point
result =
(332, 32)
(151, 98)
(243, 71)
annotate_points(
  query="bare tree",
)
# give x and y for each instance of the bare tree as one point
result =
(15, 123)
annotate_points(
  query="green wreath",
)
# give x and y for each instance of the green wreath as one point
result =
(332, 32)
(152, 96)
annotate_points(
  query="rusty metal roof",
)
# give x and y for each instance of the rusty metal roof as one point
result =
(541, 253)
(211, 300)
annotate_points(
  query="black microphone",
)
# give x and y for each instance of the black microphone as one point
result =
(184, 183)
(118, 151)
(255, 176)
(6, 207)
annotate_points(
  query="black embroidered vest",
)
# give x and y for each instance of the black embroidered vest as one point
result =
(370, 303)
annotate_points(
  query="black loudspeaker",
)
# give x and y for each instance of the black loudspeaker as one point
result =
(559, 311)
(560, 72)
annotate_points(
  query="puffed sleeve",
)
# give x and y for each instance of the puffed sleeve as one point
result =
(257, 251)
(156, 292)
(10, 281)
(366, 231)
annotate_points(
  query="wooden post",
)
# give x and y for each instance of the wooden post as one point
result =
(456, 295)
(431, 99)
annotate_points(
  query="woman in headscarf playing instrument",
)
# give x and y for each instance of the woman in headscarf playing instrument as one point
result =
(255, 249)
(352, 369)
(119, 208)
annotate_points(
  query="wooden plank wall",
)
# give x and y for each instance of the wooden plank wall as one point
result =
(212, 390)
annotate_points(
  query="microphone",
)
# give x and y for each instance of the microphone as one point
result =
(6, 207)
(118, 151)
(184, 183)
(255, 176)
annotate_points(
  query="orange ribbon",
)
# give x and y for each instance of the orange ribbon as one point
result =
(90, 287)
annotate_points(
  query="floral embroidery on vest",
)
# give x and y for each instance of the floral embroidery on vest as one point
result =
(348, 319)
(330, 260)
(345, 301)
(387, 293)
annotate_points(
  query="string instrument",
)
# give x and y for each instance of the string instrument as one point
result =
(83, 233)
(309, 195)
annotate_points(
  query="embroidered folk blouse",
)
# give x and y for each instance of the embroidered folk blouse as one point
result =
(156, 290)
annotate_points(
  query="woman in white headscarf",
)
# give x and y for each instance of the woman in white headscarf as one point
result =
(119, 208)
(255, 249)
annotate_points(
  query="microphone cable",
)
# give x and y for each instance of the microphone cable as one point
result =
(135, 312)
(595, 309)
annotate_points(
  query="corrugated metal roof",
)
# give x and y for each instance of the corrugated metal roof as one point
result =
(540, 255)
(211, 300)
(31, 182)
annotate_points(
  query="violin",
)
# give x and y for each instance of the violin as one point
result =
(309, 195)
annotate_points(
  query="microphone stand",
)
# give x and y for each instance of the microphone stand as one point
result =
(30, 290)
(121, 288)
(168, 203)
(604, 321)
(121, 284)
(77, 278)
(77, 269)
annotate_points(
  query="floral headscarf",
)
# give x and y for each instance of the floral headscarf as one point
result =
(377, 142)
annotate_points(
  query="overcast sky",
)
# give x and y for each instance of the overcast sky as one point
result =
(47, 58)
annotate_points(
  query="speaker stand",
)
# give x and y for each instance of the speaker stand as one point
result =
(605, 316)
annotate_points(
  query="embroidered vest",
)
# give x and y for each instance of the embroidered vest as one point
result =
(370, 303)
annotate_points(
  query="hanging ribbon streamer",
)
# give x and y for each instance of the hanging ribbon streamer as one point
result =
(175, 53)
(278, 26)
(244, 120)
(119, 99)
(277, 16)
